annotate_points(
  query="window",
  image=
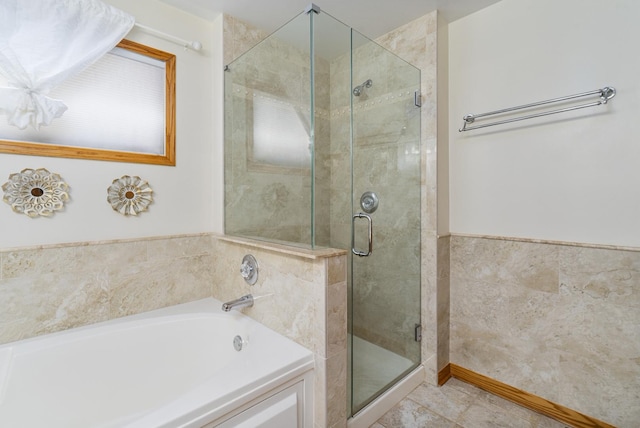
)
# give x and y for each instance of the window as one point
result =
(122, 108)
(280, 133)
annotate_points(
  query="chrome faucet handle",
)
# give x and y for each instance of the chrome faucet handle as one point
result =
(249, 269)
(246, 270)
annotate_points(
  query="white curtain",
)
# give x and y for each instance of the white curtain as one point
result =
(44, 42)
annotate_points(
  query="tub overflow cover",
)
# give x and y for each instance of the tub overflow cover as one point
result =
(238, 343)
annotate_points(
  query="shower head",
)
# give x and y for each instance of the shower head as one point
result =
(357, 91)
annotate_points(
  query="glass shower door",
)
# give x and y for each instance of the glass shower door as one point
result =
(385, 268)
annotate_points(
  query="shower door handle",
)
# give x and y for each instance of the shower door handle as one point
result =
(353, 235)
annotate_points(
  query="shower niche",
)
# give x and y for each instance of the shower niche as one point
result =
(316, 116)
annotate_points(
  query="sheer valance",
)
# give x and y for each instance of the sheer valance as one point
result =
(42, 43)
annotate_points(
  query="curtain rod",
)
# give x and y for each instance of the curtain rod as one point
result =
(193, 44)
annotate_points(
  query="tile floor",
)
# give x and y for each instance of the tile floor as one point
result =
(458, 404)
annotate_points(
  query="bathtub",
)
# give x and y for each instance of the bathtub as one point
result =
(173, 367)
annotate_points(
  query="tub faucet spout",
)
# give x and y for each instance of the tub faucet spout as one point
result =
(242, 302)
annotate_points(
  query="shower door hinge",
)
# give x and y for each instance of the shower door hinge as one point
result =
(417, 99)
(418, 333)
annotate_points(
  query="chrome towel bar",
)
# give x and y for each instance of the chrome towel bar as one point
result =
(604, 94)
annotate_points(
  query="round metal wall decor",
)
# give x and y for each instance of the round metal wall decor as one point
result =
(129, 195)
(35, 192)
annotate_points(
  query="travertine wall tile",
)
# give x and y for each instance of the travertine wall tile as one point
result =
(601, 274)
(336, 270)
(36, 262)
(587, 327)
(429, 305)
(603, 385)
(337, 390)
(557, 320)
(530, 265)
(39, 304)
(44, 290)
(528, 365)
(336, 329)
(238, 37)
(112, 253)
(152, 285)
(443, 301)
(197, 245)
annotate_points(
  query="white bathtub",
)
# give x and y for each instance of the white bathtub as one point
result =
(173, 367)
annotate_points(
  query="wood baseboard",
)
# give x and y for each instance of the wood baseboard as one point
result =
(523, 398)
(444, 375)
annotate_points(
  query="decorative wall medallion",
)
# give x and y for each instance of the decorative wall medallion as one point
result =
(35, 192)
(129, 195)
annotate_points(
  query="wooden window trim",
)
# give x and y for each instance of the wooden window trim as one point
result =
(169, 156)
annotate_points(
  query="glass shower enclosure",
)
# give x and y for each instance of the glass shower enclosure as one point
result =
(322, 149)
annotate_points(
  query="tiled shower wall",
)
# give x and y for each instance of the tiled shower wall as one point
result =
(557, 320)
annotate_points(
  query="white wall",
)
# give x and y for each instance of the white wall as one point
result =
(217, 164)
(183, 194)
(569, 177)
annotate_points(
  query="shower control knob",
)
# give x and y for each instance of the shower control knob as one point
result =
(369, 202)
(249, 269)
(246, 270)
